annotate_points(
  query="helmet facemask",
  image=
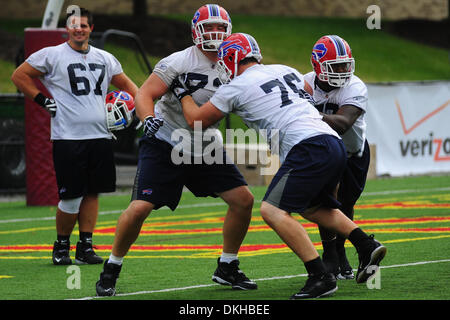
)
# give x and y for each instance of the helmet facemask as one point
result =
(119, 114)
(224, 73)
(331, 71)
(211, 40)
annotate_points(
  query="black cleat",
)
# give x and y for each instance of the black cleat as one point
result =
(317, 287)
(345, 270)
(369, 260)
(106, 286)
(229, 274)
(60, 255)
(85, 254)
(345, 275)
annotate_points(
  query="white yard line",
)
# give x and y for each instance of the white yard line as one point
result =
(262, 279)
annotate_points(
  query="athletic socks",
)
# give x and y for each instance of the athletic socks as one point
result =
(63, 239)
(228, 257)
(86, 236)
(115, 260)
(315, 267)
(359, 239)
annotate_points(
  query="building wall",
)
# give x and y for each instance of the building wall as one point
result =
(390, 9)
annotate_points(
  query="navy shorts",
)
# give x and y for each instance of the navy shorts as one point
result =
(84, 167)
(160, 181)
(353, 180)
(309, 175)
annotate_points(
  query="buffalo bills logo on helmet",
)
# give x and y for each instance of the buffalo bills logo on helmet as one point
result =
(319, 51)
(195, 18)
(227, 45)
(123, 95)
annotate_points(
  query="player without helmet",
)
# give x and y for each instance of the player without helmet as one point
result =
(211, 24)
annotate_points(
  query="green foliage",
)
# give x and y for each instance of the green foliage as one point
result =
(288, 40)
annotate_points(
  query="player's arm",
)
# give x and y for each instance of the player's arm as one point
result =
(124, 83)
(152, 89)
(207, 114)
(23, 77)
(343, 119)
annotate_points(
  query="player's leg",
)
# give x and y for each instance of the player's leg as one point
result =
(157, 183)
(87, 220)
(97, 159)
(308, 167)
(319, 283)
(235, 226)
(65, 223)
(223, 179)
(70, 178)
(352, 185)
(370, 251)
(237, 218)
(129, 226)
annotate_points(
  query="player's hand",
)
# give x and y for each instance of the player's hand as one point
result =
(152, 125)
(47, 103)
(179, 87)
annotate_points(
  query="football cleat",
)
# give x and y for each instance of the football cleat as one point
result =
(106, 285)
(85, 254)
(229, 274)
(369, 260)
(345, 270)
(317, 287)
(60, 255)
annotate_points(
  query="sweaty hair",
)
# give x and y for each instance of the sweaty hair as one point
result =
(83, 13)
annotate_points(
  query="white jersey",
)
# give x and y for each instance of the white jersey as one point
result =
(78, 82)
(202, 75)
(355, 94)
(270, 97)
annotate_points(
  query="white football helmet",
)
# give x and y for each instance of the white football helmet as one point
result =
(119, 110)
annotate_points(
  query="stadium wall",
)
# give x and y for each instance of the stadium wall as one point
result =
(390, 9)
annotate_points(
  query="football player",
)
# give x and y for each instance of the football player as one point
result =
(312, 155)
(159, 179)
(341, 98)
(77, 75)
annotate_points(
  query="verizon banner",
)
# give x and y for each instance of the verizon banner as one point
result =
(410, 125)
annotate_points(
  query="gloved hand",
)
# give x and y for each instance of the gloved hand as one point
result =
(152, 125)
(179, 86)
(47, 103)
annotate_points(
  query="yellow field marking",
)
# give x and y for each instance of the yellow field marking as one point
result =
(27, 230)
(5, 277)
(415, 239)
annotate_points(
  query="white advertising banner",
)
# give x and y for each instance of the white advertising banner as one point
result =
(410, 125)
